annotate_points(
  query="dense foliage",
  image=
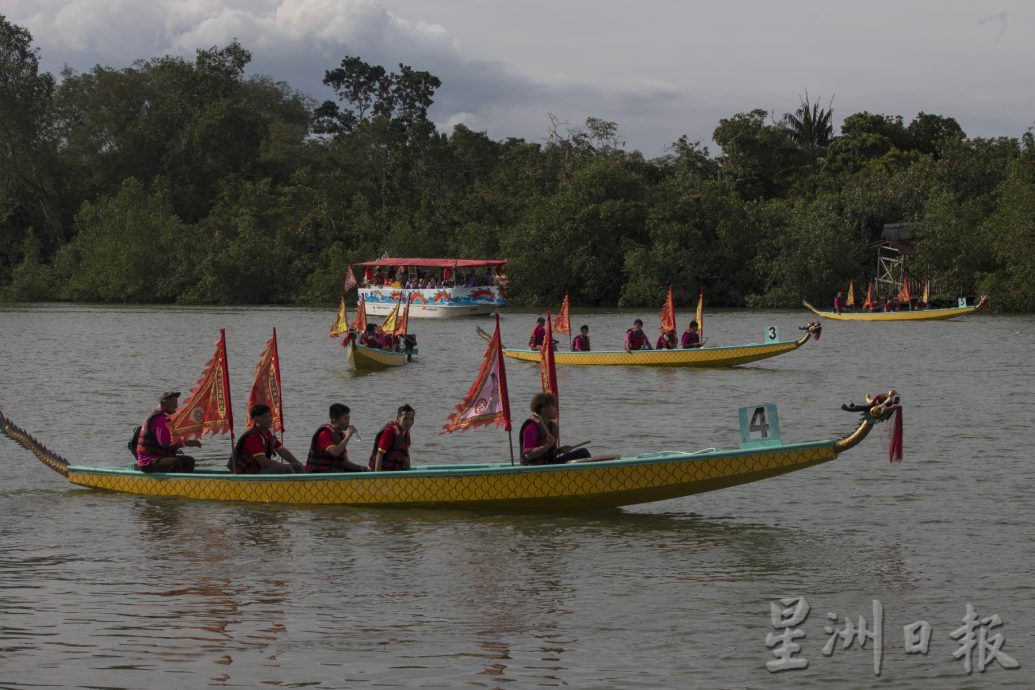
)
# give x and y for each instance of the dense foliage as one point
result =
(180, 181)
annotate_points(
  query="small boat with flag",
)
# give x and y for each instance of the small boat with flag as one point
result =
(437, 288)
(500, 486)
(962, 309)
(395, 345)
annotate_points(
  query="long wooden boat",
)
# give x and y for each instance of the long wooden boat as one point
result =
(914, 315)
(362, 357)
(571, 487)
(719, 356)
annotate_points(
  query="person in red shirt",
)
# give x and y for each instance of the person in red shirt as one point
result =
(539, 435)
(392, 444)
(581, 342)
(635, 338)
(538, 334)
(156, 451)
(328, 451)
(254, 451)
(691, 338)
(666, 341)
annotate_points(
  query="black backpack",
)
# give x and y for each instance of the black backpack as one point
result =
(132, 445)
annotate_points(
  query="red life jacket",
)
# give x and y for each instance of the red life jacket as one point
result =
(536, 338)
(398, 456)
(637, 341)
(321, 460)
(244, 462)
(541, 431)
(147, 442)
(580, 344)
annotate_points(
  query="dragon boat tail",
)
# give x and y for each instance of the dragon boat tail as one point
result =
(583, 485)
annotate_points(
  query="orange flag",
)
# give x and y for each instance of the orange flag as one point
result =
(903, 294)
(562, 324)
(207, 410)
(266, 384)
(700, 315)
(668, 314)
(403, 323)
(927, 291)
(486, 402)
(869, 296)
(547, 365)
(360, 322)
(341, 322)
(350, 280)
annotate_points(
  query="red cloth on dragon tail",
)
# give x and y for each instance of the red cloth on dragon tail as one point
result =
(895, 449)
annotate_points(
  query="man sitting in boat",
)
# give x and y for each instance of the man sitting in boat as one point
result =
(581, 342)
(690, 337)
(392, 444)
(635, 338)
(539, 435)
(538, 334)
(370, 338)
(254, 451)
(328, 451)
(666, 341)
(155, 449)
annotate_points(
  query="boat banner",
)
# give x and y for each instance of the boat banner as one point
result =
(668, 314)
(562, 324)
(486, 402)
(547, 366)
(700, 315)
(350, 280)
(341, 322)
(850, 302)
(266, 384)
(360, 322)
(207, 409)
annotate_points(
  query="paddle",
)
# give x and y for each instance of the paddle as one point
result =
(578, 445)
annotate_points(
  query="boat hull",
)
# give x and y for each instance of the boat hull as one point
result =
(697, 357)
(916, 315)
(369, 358)
(573, 487)
(438, 303)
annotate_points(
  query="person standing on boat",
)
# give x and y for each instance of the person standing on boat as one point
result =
(253, 453)
(328, 451)
(635, 338)
(538, 334)
(691, 338)
(539, 435)
(392, 444)
(839, 304)
(666, 341)
(581, 342)
(155, 449)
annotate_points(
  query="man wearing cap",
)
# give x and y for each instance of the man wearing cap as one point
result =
(156, 451)
(254, 451)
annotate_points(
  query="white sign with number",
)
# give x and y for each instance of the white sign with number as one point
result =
(759, 425)
(772, 334)
(961, 302)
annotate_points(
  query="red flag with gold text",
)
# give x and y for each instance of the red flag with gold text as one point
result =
(486, 401)
(207, 409)
(562, 324)
(341, 321)
(668, 314)
(547, 365)
(266, 384)
(903, 294)
(350, 280)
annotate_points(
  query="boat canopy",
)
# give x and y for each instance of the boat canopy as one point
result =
(433, 263)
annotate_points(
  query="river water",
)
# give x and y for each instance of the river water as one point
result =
(120, 591)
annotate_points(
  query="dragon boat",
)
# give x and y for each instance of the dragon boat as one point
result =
(913, 315)
(597, 483)
(362, 357)
(716, 356)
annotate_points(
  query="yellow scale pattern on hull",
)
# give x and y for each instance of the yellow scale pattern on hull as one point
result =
(699, 357)
(916, 315)
(564, 487)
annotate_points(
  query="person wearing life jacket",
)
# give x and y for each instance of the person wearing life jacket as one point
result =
(392, 444)
(581, 341)
(691, 338)
(155, 449)
(328, 450)
(635, 338)
(666, 341)
(254, 450)
(539, 435)
(370, 338)
(538, 334)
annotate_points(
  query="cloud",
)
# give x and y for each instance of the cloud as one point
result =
(296, 41)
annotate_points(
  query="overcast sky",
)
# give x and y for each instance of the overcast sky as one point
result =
(658, 68)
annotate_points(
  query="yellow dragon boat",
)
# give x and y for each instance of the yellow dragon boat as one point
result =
(362, 357)
(721, 356)
(582, 485)
(914, 315)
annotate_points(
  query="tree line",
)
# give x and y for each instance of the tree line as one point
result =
(187, 181)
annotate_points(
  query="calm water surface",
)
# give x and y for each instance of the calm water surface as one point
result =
(117, 591)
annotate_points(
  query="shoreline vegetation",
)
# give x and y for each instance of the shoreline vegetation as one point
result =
(186, 182)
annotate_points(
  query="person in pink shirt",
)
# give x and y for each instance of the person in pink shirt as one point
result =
(538, 334)
(155, 449)
(691, 338)
(539, 435)
(666, 341)
(581, 342)
(635, 338)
